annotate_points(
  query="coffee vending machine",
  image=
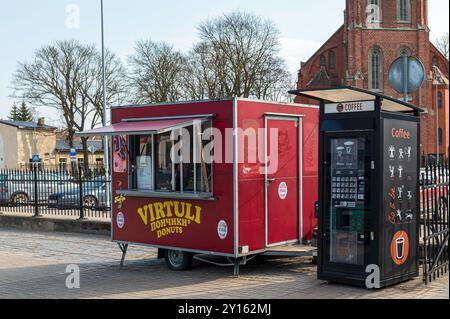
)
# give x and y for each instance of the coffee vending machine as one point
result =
(369, 205)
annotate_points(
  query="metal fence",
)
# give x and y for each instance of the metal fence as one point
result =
(71, 192)
(434, 230)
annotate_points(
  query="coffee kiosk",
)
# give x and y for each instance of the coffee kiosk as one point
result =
(368, 186)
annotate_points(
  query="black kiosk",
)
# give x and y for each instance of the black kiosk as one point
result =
(369, 186)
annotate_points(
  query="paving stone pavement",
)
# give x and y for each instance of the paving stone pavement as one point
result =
(32, 265)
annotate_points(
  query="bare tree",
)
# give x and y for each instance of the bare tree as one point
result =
(204, 73)
(91, 89)
(274, 83)
(442, 45)
(156, 72)
(67, 77)
(238, 56)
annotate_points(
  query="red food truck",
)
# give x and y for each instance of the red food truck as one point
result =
(231, 177)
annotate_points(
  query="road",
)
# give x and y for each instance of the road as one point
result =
(33, 265)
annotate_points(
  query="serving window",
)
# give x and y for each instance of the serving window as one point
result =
(171, 162)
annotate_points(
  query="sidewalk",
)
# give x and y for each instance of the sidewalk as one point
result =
(32, 265)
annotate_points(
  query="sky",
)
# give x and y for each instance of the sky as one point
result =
(26, 25)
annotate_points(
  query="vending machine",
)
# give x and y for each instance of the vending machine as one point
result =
(368, 187)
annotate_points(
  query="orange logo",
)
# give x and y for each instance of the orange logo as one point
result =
(400, 248)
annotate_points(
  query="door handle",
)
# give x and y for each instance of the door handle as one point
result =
(270, 181)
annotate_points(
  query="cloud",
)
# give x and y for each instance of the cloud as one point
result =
(296, 50)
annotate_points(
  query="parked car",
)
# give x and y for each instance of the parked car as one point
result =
(19, 188)
(93, 196)
(431, 196)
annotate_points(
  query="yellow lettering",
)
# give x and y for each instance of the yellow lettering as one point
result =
(159, 211)
(143, 214)
(176, 206)
(152, 214)
(168, 217)
(168, 206)
(197, 214)
(188, 212)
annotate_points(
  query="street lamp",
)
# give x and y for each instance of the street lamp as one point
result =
(106, 147)
(108, 189)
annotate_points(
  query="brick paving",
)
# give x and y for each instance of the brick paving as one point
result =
(32, 265)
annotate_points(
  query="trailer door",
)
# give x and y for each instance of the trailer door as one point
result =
(283, 175)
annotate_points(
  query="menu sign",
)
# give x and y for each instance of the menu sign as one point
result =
(401, 194)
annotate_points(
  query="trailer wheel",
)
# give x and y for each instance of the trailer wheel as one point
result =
(178, 260)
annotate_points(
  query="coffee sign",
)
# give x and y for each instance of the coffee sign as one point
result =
(352, 107)
(400, 201)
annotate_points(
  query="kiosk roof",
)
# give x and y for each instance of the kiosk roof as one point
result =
(352, 94)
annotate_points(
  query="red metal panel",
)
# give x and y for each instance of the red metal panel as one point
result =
(195, 229)
(283, 192)
(310, 183)
(181, 224)
(251, 183)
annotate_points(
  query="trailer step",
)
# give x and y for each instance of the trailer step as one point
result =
(291, 251)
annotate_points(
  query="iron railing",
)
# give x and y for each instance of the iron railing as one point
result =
(71, 192)
(434, 230)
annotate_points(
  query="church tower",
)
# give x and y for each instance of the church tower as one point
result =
(374, 34)
(379, 31)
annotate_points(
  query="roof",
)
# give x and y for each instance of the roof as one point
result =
(27, 125)
(351, 94)
(341, 28)
(322, 78)
(439, 77)
(63, 145)
(150, 104)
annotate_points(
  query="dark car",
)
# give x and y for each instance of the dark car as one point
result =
(93, 196)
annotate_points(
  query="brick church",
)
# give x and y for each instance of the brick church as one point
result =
(374, 34)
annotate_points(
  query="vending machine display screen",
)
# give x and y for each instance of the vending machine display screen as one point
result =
(348, 173)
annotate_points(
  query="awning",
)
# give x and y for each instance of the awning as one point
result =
(351, 94)
(143, 127)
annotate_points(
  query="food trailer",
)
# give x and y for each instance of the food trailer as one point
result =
(231, 177)
(368, 187)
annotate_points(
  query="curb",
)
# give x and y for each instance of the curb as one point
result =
(45, 224)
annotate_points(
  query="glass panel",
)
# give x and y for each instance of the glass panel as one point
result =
(163, 162)
(188, 165)
(152, 167)
(375, 70)
(144, 178)
(348, 213)
(204, 168)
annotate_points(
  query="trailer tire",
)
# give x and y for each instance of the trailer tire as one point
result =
(178, 260)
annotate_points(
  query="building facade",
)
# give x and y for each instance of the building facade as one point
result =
(374, 34)
(62, 151)
(21, 141)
